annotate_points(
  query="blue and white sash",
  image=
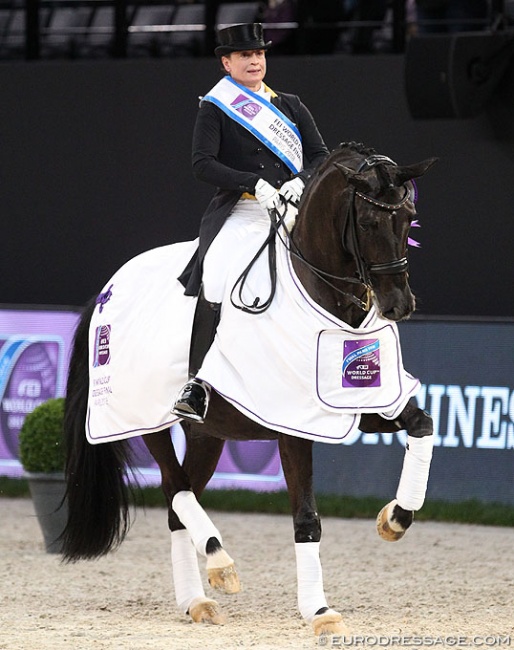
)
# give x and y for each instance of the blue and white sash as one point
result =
(265, 121)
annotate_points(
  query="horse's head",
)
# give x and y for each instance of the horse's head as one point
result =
(380, 213)
(373, 210)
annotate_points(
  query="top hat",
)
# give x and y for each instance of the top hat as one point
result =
(238, 38)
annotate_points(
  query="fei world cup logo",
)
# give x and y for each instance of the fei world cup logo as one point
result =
(361, 363)
(30, 369)
(246, 106)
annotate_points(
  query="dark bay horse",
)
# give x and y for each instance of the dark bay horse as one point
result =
(348, 248)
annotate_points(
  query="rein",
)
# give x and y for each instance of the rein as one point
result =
(258, 306)
(349, 240)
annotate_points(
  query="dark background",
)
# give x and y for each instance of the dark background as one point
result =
(95, 168)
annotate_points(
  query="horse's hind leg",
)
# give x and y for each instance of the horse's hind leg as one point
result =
(201, 459)
(296, 457)
(189, 591)
(396, 517)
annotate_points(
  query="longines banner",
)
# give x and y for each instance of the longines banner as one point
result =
(467, 374)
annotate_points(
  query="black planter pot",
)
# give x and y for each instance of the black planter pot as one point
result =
(47, 491)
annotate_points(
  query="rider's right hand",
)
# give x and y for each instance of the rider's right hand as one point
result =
(267, 195)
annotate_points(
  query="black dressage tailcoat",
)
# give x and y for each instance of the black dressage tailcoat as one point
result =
(228, 156)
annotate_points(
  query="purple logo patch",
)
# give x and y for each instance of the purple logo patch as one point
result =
(102, 353)
(361, 363)
(246, 106)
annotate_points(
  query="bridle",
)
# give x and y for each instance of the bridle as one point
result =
(350, 239)
(350, 243)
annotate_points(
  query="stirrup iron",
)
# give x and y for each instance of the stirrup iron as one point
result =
(193, 401)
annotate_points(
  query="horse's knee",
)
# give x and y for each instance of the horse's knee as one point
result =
(424, 425)
(307, 528)
(418, 423)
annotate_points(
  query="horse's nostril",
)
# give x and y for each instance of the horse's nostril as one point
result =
(397, 314)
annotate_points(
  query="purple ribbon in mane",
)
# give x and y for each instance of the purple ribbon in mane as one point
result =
(415, 223)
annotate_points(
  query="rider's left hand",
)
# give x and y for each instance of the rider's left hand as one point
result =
(292, 190)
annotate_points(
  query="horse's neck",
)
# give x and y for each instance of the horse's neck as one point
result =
(318, 238)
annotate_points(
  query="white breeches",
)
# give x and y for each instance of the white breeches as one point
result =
(247, 222)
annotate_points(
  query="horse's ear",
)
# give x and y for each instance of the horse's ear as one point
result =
(408, 172)
(358, 180)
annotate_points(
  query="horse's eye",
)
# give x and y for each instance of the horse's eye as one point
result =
(364, 226)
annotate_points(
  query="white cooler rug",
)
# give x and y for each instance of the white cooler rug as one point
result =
(294, 368)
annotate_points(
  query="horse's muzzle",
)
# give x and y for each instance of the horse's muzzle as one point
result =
(399, 304)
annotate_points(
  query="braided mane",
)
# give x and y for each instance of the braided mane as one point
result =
(357, 147)
(342, 151)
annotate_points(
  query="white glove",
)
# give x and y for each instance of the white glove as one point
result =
(267, 195)
(292, 190)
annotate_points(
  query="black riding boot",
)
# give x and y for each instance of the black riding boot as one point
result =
(193, 399)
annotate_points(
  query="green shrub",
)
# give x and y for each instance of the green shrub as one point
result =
(41, 438)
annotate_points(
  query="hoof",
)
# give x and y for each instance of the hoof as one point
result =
(329, 623)
(204, 610)
(389, 526)
(222, 573)
(225, 579)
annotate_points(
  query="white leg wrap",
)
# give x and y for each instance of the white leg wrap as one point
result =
(311, 596)
(416, 467)
(186, 574)
(195, 519)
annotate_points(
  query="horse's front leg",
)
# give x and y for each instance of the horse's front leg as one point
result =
(296, 457)
(396, 517)
(189, 592)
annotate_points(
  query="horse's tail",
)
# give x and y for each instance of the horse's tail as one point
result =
(96, 487)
